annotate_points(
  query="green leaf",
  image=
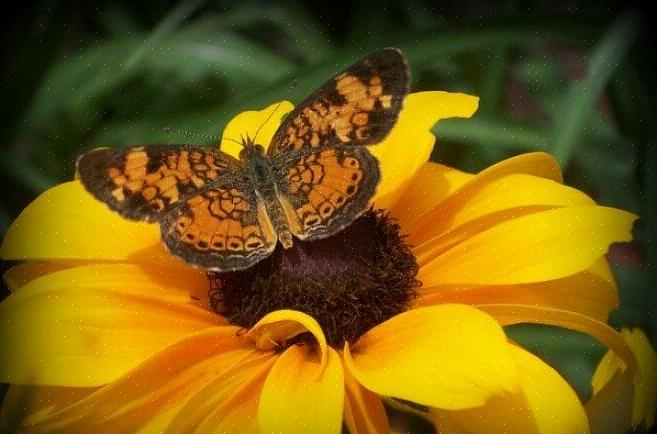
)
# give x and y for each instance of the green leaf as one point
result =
(605, 57)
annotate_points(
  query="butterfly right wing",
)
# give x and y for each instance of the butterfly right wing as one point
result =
(224, 227)
(143, 182)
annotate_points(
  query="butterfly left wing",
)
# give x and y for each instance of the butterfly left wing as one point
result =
(323, 192)
(224, 227)
(143, 182)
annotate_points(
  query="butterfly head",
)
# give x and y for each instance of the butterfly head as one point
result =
(250, 149)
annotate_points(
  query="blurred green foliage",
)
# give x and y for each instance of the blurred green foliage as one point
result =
(575, 80)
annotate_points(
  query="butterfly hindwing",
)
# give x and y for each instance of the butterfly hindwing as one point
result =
(223, 227)
(143, 182)
(358, 106)
(325, 191)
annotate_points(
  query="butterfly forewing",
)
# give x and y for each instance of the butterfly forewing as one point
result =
(143, 182)
(223, 227)
(358, 106)
(324, 191)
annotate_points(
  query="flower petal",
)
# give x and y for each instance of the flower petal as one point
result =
(102, 319)
(591, 292)
(493, 203)
(158, 384)
(275, 328)
(545, 404)
(430, 186)
(23, 273)
(447, 356)
(536, 163)
(67, 223)
(508, 314)
(532, 248)
(302, 396)
(26, 405)
(227, 404)
(610, 409)
(363, 410)
(645, 379)
(254, 124)
(410, 142)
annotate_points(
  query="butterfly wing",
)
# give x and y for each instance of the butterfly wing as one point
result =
(325, 191)
(224, 227)
(143, 182)
(359, 106)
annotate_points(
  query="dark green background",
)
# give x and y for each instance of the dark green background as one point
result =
(573, 78)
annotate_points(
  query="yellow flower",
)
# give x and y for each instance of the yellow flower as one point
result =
(105, 332)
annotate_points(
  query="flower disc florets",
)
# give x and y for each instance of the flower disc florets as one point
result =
(349, 282)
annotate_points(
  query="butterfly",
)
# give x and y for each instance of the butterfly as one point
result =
(224, 213)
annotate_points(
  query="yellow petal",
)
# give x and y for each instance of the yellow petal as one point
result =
(508, 314)
(447, 356)
(610, 409)
(275, 328)
(24, 405)
(301, 396)
(102, 319)
(227, 404)
(160, 383)
(363, 410)
(545, 404)
(491, 204)
(430, 186)
(537, 247)
(536, 163)
(67, 223)
(255, 124)
(591, 292)
(644, 382)
(21, 274)
(409, 145)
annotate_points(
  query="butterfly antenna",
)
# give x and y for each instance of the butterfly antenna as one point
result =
(190, 134)
(292, 86)
(267, 120)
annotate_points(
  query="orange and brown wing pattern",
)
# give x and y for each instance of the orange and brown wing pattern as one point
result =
(223, 228)
(142, 182)
(359, 106)
(323, 192)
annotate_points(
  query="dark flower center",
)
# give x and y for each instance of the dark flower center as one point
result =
(349, 282)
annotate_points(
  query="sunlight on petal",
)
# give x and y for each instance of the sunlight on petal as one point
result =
(447, 356)
(67, 223)
(532, 248)
(545, 404)
(473, 213)
(432, 184)
(536, 164)
(410, 143)
(591, 292)
(227, 404)
(301, 396)
(262, 123)
(102, 319)
(158, 384)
